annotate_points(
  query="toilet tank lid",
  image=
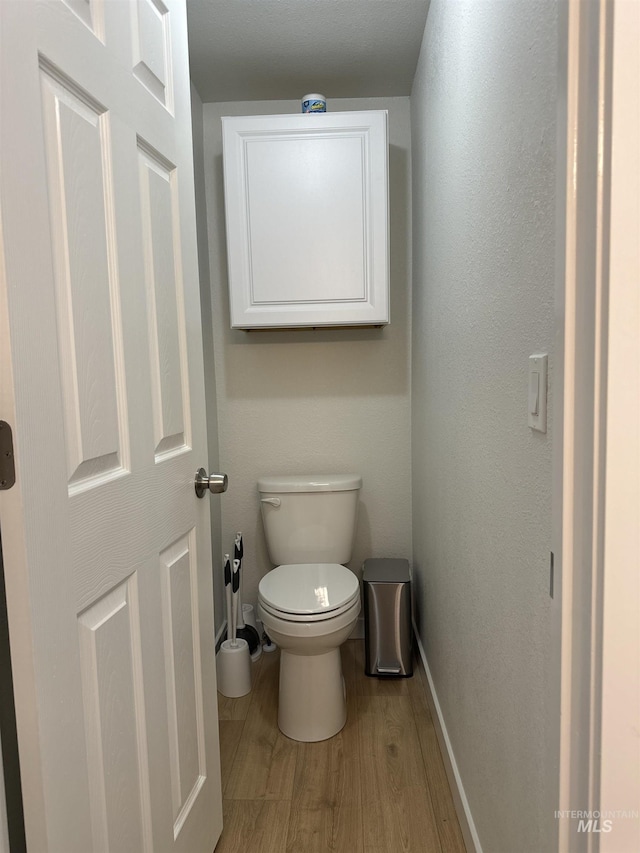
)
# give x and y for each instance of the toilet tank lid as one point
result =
(310, 483)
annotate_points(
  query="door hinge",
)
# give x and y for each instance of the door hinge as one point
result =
(7, 467)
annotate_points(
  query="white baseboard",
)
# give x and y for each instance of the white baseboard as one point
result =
(461, 803)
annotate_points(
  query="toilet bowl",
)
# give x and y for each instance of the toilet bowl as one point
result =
(309, 611)
(310, 604)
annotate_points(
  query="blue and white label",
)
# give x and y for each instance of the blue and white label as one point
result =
(314, 104)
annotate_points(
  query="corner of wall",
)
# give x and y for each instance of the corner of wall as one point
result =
(197, 114)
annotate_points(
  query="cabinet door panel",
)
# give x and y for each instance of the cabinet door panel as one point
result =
(307, 219)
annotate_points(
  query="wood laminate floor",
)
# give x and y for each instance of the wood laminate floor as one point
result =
(379, 786)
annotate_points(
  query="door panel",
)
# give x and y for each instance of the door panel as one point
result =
(78, 154)
(152, 49)
(111, 658)
(167, 337)
(90, 13)
(108, 557)
(184, 693)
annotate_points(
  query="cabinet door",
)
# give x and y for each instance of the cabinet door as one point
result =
(307, 219)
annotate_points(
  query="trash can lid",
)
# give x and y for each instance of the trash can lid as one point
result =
(385, 570)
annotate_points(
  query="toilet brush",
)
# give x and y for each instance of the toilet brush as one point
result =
(238, 547)
(235, 584)
(227, 591)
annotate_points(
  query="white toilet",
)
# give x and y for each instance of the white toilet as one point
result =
(310, 602)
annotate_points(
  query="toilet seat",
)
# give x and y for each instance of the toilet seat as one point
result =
(309, 618)
(308, 592)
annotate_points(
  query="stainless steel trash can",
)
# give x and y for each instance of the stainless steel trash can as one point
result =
(387, 617)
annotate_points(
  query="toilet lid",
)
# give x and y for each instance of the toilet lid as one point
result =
(309, 589)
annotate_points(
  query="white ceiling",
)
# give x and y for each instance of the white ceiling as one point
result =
(244, 50)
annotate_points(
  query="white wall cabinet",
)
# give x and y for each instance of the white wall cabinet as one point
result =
(306, 200)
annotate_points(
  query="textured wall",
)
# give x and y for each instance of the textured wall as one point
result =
(483, 110)
(314, 401)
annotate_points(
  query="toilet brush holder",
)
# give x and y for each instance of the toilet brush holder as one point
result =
(233, 665)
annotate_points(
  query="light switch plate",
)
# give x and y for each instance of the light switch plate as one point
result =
(537, 392)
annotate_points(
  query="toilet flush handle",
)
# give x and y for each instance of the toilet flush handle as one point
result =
(272, 501)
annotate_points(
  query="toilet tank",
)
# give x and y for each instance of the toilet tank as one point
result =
(311, 518)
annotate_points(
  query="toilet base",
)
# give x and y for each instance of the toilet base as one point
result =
(312, 704)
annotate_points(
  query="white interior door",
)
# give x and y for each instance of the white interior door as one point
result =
(106, 547)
